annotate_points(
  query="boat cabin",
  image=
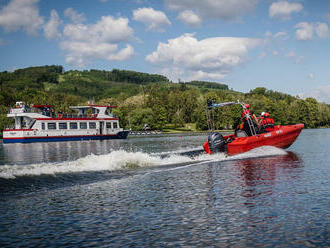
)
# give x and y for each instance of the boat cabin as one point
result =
(40, 120)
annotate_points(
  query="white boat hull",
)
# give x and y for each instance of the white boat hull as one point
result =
(20, 136)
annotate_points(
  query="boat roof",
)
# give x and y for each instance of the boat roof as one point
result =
(105, 106)
(92, 106)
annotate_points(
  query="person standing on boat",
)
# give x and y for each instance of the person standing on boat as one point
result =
(266, 123)
(248, 114)
(260, 118)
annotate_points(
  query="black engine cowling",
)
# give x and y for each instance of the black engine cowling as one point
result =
(216, 142)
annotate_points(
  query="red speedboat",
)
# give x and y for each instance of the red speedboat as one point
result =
(280, 136)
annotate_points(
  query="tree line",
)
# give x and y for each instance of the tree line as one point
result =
(179, 105)
(151, 99)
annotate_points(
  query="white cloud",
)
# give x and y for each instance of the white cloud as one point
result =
(107, 29)
(74, 16)
(21, 14)
(306, 31)
(81, 53)
(281, 35)
(153, 19)
(278, 36)
(51, 27)
(321, 93)
(293, 56)
(123, 54)
(212, 58)
(96, 50)
(284, 9)
(200, 75)
(311, 76)
(275, 53)
(189, 18)
(321, 30)
(97, 41)
(175, 74)
(220, 9)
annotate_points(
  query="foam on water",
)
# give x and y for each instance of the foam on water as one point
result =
(121, 159)
(108, 162)
(263, 151)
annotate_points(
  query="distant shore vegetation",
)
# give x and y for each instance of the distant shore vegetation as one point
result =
(151, 99)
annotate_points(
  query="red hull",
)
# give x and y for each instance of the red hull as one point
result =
(282, 137)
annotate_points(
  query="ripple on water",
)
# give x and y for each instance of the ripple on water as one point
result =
(171, 201)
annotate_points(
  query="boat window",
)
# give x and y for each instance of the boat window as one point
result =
(43, 126)
(51, 125)
(63, 125)
(83, 125)
(92, 125)
(73, 125)
(115, 125)
(108, 124)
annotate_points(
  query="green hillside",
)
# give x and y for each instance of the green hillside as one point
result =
(208, 85)
(150, 98)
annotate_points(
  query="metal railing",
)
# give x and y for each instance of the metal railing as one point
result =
(69, 115)
(56, 114)
(9, 126)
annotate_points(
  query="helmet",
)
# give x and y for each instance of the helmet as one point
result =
(247, 105)
(263, 113)
(266, 114)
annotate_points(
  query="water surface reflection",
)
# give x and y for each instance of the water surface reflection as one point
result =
(44, 152)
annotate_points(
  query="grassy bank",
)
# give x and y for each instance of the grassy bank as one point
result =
(187, 128)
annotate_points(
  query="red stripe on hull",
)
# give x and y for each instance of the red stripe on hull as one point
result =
(14, 130)
(61, 136)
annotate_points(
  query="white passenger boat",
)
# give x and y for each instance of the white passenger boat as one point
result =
(40, 124)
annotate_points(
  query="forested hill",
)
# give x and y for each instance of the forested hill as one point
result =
(149, 98)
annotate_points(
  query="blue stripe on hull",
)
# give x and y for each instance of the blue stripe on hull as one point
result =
(120, 135)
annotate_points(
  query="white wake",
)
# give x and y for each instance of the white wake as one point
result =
(118, 160)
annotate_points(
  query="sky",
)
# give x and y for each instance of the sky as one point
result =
(278, 44)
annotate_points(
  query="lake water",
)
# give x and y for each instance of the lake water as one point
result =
(141, 192)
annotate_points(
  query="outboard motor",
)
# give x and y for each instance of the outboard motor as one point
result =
(216, 142)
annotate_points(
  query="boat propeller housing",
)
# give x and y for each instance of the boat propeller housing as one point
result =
(216, 142)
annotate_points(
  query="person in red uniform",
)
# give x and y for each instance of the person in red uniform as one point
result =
(266, 123)
(247, 114)
(260, 118)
